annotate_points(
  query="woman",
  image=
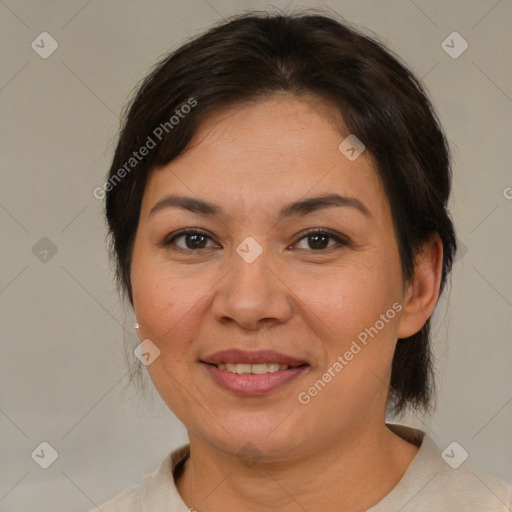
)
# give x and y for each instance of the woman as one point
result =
(277, 211)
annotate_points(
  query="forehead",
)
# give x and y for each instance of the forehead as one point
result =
(294, 127)
(268, 151)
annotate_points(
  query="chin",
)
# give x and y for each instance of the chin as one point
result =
(255, 437)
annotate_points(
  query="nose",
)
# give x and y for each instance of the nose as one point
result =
(253, 294)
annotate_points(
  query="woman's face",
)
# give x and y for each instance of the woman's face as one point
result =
(254, 280)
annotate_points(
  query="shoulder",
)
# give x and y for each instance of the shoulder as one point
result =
(157, 491)
(470, 490)
(442, 481)
(126, 501)
(467, 490)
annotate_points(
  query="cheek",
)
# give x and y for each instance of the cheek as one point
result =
(168, 303)
(156, 296)
(162, 309)
(348, 299)
(151, 296)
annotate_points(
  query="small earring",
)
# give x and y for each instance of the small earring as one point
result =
(136, 326)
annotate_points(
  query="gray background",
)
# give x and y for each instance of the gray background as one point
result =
(63, 370)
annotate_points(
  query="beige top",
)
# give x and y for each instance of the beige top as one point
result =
(429, 484)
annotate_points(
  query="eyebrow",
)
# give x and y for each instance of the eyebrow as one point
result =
(301, 207)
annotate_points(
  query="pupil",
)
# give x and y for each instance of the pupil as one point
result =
(322, 245)
(194, 239)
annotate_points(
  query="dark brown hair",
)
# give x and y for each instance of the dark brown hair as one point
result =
(255, 55)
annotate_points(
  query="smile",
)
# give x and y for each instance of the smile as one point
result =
(253, 379)
(255, 369)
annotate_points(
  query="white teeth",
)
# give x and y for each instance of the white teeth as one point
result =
(259, 368)
(243, 368)
(256, 369)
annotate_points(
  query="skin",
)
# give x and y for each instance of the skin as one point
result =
(335, 453)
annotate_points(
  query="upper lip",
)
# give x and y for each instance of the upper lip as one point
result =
(252, 357)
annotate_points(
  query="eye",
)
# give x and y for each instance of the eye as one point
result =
(193, 239)
(318, 240)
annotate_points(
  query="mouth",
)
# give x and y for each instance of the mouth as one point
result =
(254, 369)
(252, 373)
(237, 357)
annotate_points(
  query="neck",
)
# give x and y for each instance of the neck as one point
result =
(354, 474)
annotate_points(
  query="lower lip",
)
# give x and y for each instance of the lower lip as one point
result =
(250, 384)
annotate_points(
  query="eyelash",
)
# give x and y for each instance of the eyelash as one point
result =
(342, 241)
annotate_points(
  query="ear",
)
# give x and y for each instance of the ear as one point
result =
(422, 291)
